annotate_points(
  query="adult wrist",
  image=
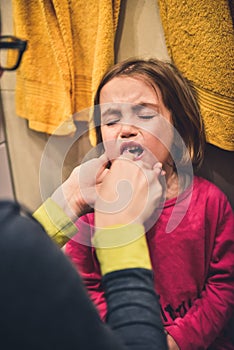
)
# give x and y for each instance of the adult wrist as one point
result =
(59, 198)
(121, 247)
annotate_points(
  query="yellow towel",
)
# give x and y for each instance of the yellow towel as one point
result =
(70, 46)
(199, 36)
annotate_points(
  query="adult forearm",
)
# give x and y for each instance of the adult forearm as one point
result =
(133, 309)
(55, 222)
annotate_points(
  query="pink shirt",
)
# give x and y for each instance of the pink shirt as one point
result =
(192, 254)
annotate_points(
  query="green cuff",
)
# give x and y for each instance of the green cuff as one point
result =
(55, 222)
(121, 247)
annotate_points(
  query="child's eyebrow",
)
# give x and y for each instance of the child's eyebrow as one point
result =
(141, 106)
(111, 111)
(135, 108)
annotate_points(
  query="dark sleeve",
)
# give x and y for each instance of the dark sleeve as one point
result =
(133, 309)
(43, 303)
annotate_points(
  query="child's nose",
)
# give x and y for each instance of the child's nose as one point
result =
(128, 130)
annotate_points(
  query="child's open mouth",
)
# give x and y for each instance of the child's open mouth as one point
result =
(132, 147)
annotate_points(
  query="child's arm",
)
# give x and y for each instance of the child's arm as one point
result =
(210, 313)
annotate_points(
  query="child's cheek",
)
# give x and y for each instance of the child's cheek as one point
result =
(111, 148)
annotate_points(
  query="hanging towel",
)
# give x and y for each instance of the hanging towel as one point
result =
(200, 41)
(70, 46)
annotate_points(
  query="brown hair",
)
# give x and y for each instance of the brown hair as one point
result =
(177, 94)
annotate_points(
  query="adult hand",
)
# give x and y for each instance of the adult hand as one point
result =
(76, 196)
(129, 193)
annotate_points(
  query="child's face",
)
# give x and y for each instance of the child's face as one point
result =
(134, 119)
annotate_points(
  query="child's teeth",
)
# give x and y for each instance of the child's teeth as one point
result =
(133, 150)
(136, 150)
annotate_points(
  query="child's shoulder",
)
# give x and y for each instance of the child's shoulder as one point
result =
(201, 182)
(208, 190)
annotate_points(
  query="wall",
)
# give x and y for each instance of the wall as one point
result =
(27, 147)
(6, 183)
(6, 180)
(140, 31)
(139, 34)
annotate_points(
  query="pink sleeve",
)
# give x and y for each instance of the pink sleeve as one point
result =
(211, 312)
(83, 256)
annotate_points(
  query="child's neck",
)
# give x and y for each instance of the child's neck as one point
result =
(176, 185)
(172, 189)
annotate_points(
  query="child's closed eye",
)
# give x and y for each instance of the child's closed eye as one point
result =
(111, 122)
(147, 116)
